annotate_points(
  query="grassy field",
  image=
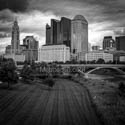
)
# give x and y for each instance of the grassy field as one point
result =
(107, 100)
(67, 103)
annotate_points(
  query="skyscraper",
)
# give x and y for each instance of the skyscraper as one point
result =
(15, 42)
(59, 32)
(65, 31)
(48, 35)
(55, 31)
(108, 43)
(79, 34)
(120, 43)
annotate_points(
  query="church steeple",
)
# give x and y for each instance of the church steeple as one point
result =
(15, 42)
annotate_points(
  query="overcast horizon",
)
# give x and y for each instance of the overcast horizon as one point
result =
(104, 17)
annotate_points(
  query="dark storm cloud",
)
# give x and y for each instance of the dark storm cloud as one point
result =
(102, 15)
(6, 16)
(14, 5)
(93, 10)
(5, 29)
(120, 32)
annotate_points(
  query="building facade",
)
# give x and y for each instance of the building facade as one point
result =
(108, 43)
(59, 53)
(59, 32)
(120, 43)
(31, 51)
(55, 31)
(48, 35)
(8, 49)
(65, 31)
(16, 58)
(79, 34)
(15, 42)
(95, 48)
(94, 55)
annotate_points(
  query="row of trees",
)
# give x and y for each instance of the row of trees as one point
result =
(8, 72)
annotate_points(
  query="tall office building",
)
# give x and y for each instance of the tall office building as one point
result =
(120, 43)
(108, 43)
(55, 31)
(15, 42)
(65, 31)
(31, 51)
(79, 34)
(59, 32)
(48, 35)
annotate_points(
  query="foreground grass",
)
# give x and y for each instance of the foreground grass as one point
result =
(109, 104)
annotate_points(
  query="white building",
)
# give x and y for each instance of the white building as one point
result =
(51, 53)
(16, 58)
(122, 58)
(95, 55)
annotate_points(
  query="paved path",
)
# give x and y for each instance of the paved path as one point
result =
(67, 103)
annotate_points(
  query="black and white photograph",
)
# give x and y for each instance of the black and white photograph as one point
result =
(62, 62)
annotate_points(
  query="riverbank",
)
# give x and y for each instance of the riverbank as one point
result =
(109, 104)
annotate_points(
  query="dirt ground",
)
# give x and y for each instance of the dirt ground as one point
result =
(67, 103)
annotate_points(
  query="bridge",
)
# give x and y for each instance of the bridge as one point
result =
(93, 65)
(86, 67)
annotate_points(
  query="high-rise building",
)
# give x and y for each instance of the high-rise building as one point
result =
(65, 31)
(108, 43)
(15, 42)
(59, 32)
(120, 43)
(48, 35)
(31, 51)
(55, 31)
(79, 34)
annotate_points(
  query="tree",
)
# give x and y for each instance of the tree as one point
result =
(26, 72)
(8, 72)
(100, 61)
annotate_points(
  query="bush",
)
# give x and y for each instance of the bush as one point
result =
(50, 82)
(121, 87)
(26, 73)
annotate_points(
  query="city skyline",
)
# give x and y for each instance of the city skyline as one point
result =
(104, 18)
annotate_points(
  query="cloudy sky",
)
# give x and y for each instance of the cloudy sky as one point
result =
(105, 17)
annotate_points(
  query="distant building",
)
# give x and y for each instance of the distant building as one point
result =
(95, 55)
(108, 43)
(31, 51)
(122, 58)
(16, 58)
(60, 53)
(95, 48)
(79, 34)
(48, 35)
(89, 47)
(15, 42)
(8, 49)
(120, 43)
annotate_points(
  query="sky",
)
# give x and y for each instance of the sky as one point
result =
(105, 17)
